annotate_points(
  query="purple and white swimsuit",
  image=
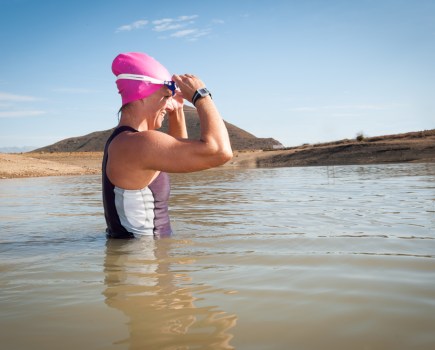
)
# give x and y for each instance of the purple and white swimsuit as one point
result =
(131, 213)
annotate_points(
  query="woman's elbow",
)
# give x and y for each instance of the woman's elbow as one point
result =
(216, 153)
(222, 156)
(227, 155)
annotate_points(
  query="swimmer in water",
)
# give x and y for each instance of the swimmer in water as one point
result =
(137, 157)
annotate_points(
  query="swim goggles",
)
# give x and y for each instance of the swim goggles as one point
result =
(168, 83)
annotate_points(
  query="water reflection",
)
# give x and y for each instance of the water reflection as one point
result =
(153, 289)
(345, 253)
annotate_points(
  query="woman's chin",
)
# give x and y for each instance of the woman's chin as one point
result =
(159, 124)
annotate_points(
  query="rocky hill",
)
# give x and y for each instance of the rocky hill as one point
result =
(94, 142)
(416, 146)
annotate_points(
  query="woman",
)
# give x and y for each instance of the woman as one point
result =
(137, 158)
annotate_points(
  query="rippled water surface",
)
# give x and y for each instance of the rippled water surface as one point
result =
(284, 258)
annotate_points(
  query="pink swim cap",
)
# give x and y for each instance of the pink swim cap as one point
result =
(141, 64)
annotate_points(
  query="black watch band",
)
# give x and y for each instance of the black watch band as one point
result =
(203, 92)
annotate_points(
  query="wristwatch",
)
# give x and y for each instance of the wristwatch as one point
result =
(203, 92)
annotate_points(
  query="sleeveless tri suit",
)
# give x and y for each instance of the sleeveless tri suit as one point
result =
(131, 213)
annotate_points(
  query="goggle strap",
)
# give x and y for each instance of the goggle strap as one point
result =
(140, 77)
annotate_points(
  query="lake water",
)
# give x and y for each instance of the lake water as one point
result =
(281, 258)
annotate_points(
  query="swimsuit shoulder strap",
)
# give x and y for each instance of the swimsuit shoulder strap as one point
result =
(118, 131)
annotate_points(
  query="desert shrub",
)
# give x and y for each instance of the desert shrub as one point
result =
(360, 137)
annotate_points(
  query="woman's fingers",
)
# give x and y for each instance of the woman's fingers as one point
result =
(188, 84)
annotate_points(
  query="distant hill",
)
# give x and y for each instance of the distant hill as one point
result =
(94, 142)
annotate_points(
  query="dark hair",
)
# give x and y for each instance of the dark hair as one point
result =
(124, 107)
(122, 110)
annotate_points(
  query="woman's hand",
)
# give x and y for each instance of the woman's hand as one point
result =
(177, 124)
(188, 84)
(177, 100)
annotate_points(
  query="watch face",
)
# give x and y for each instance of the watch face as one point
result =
(203, 92)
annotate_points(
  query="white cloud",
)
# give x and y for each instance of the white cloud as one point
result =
(135, 25)
(187, 18)
(163, 21)
(191, 34)
(177, 27)
(166, 24)
(75, 91)
(4, 96)
(183, 33)
(199, 34)
(9, 103)
(218, 21)
(20, 114)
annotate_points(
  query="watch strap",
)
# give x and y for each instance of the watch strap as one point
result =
(197, 95)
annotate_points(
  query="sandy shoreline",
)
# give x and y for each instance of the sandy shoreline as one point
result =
(78, 163)
(411, 148)
(49, 164)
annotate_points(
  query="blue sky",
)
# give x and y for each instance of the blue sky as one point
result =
(299, 71)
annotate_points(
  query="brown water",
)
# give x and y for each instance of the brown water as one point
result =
(288, 258)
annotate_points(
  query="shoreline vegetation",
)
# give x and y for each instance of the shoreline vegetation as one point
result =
(410, 147)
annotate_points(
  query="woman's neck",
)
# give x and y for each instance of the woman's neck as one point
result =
(133, 121)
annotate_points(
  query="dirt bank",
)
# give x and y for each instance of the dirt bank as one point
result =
(49, 164)
(400, 148)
